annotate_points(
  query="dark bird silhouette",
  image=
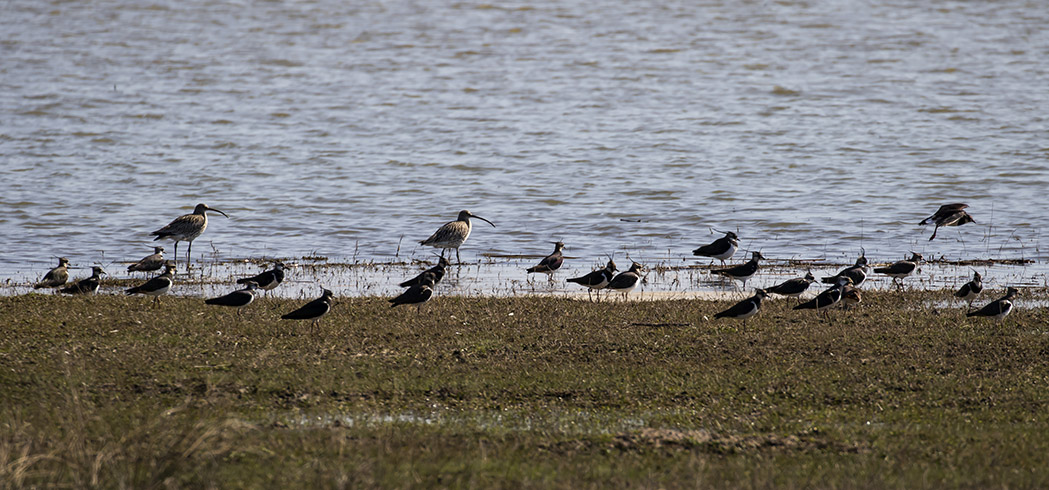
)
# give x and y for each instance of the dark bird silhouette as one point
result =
(793, 287)
(742, 272)
(826, 299)
(746, 308)
(999, 308)
(267, 280)
(901, 269)
(149, 263)
(598, 279)
(625, 282)
(551, 262)
(158, 285)
(970, 290)
(88, 285)
(857, 272)
(313, 310)
(56, 277)
(948, 215)
(237, 299)
(722, 249)
(437, 271)
(417, 294)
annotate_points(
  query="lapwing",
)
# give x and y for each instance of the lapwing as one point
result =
(970, 290)
(57, 277)
(746, 308)
(453, 233)
(625, 282)
(722, 249)
(156, 286)
(948, 215)
(826, 299)
(850, 296)
(187, 228)
(742, 272)
(793, 288)
(237, 299)
(596, 280)
(417, 294)
(149, 263)
(998, 309)
(313, 310)
(88, 285)
(267, 280)
(437, 271)
(857, 272)
(551, 262)
(901, 269)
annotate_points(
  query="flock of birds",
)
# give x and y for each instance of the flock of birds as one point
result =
(844, 289)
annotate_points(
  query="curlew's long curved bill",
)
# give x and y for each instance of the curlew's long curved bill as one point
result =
(482, 219)
(217, 211)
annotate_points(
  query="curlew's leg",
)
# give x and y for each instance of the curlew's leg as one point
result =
(176, 252)
(189, 255)
(457, 257)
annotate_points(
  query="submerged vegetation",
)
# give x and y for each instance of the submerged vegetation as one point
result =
(902, 391)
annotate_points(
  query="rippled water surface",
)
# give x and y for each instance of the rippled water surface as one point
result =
(353, 130)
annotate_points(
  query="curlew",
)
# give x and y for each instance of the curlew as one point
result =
(187, 228)
(453, 233)
(56, 277)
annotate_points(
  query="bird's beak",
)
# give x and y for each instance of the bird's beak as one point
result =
(217, 211)
(482, 219)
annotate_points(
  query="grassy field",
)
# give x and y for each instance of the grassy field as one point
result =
(903, 392)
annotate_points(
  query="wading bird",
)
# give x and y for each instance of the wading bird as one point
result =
(625, 282)
(149, 263)
(596, 280)
(267, 280)
(793, 287)
(551, 262)
(999, 308)
(187, 228)
(88, 285)
(722, 249)
(742, 272)
(970, 290)
(437, 271)
(746, 308)
(157, 286)
(56, 277)
(237, 299)
(313, 310)
(826, 299)
(901, 269)
(453, 233)
(417, 294)
(948, 215)
(857, 272)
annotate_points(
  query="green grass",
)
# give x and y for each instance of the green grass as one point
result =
(110, 392)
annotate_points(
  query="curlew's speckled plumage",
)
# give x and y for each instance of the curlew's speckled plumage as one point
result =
(187, 228)
(56, 277)
(453, 233)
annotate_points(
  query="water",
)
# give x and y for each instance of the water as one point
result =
(353, 130)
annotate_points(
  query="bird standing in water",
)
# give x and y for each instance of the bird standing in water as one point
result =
(453, 233)
(187, 228)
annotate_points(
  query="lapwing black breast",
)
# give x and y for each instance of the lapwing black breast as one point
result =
(827, 298)
(970, 290)
(857, 272)
(437, 271)
(598, 279)
(88, 285)
(627, 281)
(744, 271)
(902, 268)
(722, 249)
(237, 299)
(793, 287)
(551, 262)
(417, 294)
(156, 286)
(55, 277)
(312, 310)
(999, 308)
(746, 308)
(267, 280)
